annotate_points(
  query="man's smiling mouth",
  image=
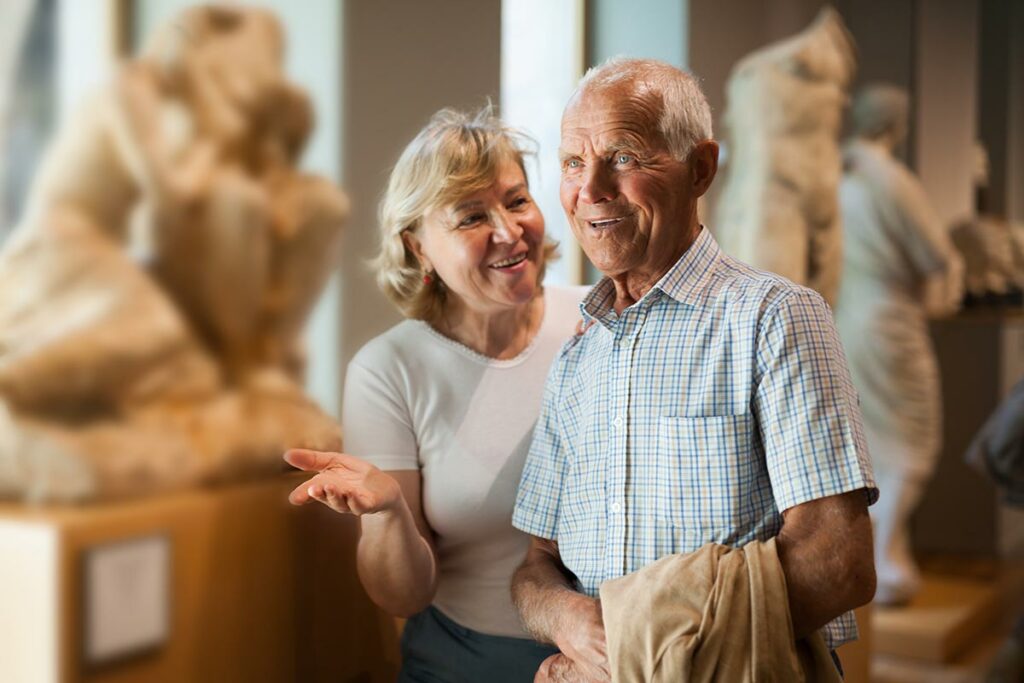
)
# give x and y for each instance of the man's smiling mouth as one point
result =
(605, 223)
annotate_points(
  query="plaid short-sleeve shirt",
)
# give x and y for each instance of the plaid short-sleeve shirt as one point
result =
(697, 415)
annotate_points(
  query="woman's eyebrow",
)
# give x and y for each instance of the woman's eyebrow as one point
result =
(468, 204)
(518, 187)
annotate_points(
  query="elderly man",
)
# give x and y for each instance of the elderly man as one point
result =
(706, 401)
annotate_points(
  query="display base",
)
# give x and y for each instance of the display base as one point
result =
(949, 616)
(257, 591)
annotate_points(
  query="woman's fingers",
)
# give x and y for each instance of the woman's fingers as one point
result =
(335, 500)
(307, 460)
(338, 495)
(300, 494)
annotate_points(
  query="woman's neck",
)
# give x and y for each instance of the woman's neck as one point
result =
(501, 334)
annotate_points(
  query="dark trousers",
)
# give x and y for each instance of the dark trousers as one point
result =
(436, 649)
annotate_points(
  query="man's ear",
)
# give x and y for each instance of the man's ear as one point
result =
(413, 244)
(704, 165)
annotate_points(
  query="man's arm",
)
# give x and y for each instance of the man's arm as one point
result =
(553, 612)
(826, 554)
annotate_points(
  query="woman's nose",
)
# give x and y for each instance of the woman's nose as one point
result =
(506, 228)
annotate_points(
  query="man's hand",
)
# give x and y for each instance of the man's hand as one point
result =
(343, 483)
(553, 612)
(581, 637)
(560, 669)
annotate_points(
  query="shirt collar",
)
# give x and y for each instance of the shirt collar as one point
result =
(685, 281)
(689, 277)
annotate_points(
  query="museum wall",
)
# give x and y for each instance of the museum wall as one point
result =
(396, 74)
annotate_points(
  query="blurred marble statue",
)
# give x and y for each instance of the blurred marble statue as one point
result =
(993, 254)
(778, 210)
(899, 267)
(153, 295)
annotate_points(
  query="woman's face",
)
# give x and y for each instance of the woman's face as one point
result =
(486, 247)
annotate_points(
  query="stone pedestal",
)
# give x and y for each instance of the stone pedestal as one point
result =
(981, 356)
(256, 591)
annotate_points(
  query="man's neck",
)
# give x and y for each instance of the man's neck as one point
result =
(632, 285)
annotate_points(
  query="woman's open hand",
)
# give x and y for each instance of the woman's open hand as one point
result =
(344, 483)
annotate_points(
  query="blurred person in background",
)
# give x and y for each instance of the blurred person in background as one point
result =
(439, 410)
(899, 267)
(998, 451)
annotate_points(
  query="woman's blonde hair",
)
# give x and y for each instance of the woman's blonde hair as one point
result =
(455, 155)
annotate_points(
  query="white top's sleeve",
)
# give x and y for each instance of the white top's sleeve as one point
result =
(376, 421)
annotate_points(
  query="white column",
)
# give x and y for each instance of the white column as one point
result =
(946, 104)
(542, 58)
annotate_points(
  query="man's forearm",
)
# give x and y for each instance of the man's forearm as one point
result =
(826, 554)
(542, 593)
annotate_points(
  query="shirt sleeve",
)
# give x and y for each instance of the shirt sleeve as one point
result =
(806, 407)
(540, 488)
(376, 421)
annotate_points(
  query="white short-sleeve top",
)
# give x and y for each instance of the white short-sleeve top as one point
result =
(416, 400)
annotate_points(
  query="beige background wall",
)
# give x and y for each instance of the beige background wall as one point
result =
(403, 60)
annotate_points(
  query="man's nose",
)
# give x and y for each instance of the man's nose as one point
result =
(597, 185)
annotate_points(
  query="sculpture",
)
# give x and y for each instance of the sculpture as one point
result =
(778, 209)
(153, 294)
(899, 266)
(993, 253)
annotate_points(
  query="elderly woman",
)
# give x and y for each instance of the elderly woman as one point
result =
(439, 410)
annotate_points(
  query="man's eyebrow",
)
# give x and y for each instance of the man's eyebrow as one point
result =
(625, 142)
(564, 154)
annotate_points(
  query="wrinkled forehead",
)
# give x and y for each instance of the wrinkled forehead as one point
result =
(619, 110)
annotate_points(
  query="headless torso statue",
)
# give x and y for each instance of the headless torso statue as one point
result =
(123, 375)
(899, 265)
(778, 208)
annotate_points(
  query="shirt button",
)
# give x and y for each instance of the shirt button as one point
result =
(617, 422)
(616, 507)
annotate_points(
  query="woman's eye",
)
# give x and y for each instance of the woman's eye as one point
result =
(471, 219)
(519, 202)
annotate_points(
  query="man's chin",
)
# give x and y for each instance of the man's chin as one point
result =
(606, 267)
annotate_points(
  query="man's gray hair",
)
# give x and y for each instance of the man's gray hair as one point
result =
(685, 116)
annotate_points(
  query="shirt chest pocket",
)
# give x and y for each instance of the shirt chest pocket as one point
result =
(708, 476)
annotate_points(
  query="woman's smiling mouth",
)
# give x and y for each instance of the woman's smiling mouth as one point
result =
(510, 262)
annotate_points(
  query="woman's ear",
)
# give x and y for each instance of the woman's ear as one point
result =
(412, 243)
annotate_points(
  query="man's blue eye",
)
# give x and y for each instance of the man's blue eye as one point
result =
(624, 158)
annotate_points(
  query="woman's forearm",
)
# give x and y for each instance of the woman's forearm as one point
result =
(396, 564)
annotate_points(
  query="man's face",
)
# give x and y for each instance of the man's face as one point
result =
(630, 203)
